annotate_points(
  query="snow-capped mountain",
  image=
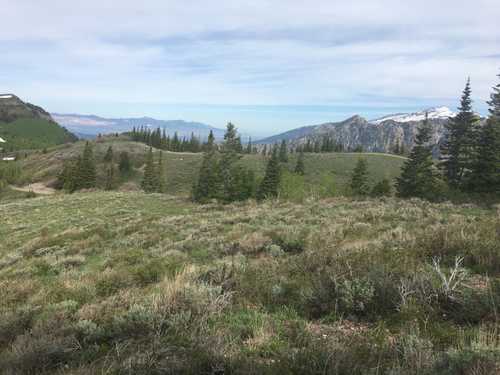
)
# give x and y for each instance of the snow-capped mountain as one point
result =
(443, 113)
(385, 134)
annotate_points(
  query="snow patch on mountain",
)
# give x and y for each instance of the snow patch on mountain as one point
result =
(432, 113)
(6, 96)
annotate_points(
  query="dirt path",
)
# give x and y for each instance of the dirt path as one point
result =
(37, 188)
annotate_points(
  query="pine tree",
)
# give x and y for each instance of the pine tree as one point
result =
(161, 177)
(359, 179)
(382, 188)
(87, 172)
(231, 147)
(283, 155)
(108, 157)
(418, 178)
(124, 165)
(66, 178)
(458, 147)
(110, 181)
(149, 181)
(485, 175)
(300, 167)
(207, 186)
(210, 145)
(269, 187)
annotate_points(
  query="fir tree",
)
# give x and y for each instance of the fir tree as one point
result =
(124, 165)
(207, 185)
(108, 157)
(66, 178)
(149, 182)
(382, 188)
(359, 179)
(418, 177)
(161, 177)
(485, 174)
(210, 145)
(110, 181)
(230, 150)
(86, 171)
(269, 187)
(458, 147)
(300, 167)
(283, 155)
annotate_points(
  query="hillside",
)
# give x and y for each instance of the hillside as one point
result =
(146, 284)
(379, 135)
(26, 126)
(325, 173)
(90, 126)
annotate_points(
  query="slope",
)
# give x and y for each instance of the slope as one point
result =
(324, 172)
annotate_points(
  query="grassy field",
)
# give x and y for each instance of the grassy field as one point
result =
(326, 174)
(128, 283)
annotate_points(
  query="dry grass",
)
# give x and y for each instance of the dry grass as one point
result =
(135, 283)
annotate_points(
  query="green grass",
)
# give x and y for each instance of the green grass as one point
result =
(28, 133)
(326, 174)
(125, 282)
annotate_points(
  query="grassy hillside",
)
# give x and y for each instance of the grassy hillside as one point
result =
(147, 284)
(33, 133)
(326, 174)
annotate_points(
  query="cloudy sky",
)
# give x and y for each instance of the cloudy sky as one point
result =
(265, 65)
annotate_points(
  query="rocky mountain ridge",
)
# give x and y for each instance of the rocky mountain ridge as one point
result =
(379, 135)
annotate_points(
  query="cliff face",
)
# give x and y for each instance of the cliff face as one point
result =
(381, 135)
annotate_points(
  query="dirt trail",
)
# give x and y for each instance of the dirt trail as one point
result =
(37, 188)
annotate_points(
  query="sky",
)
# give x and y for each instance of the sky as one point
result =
(267, 66)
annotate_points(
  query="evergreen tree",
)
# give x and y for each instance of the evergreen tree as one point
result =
(485, 175)
(124, 165)
(359, 179)
(210, 145)
(418, 177)
(87, 172)
(149, 182)
(110, 182)
(382, 188)
(207, 186)
(66, 178)
(269, 187)
(161, 177)
(283, 155)
(300, 167)
(458, 147)
(108, 157)
(231, 147)
(232, 142)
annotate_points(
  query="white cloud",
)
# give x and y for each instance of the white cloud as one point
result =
(247, 52)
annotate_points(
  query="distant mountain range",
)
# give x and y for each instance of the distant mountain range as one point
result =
(27, 126)
(89, 126)
(378, 135)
